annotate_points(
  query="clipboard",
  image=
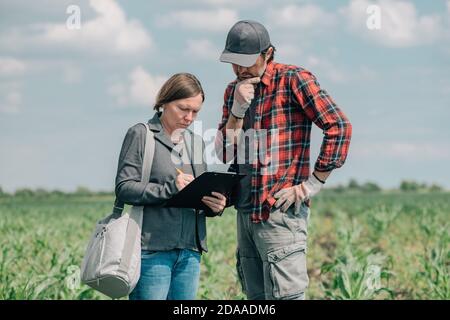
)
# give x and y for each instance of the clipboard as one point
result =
(191, 195)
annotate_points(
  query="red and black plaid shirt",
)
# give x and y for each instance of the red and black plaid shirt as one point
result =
(288, 100)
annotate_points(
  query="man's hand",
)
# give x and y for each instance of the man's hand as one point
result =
(243, 96)
(297, 194)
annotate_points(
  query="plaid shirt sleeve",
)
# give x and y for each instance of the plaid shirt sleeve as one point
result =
(224, 147)
(320, 108)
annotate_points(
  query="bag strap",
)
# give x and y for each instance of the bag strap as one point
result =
(138, 211)
(133, 233)
(149, 152)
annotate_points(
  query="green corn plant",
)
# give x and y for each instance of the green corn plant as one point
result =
(356, 277)
(380, 218)
(356, 273)
(431, 224)
(436, 268)
(348, 234)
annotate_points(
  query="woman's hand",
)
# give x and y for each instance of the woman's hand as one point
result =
(216, 203)
(182, 180)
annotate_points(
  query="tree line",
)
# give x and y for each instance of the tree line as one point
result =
(372, 187)
(351, 187)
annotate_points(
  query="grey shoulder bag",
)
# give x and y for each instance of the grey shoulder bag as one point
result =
(112, 262)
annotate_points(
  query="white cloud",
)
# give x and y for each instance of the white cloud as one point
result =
(408, 151)
(401, 25)
(205, 20)
(140, 89)
(322, 67)
(10, 91)
(326, 69)
(288, 51)
(202, 49)
(305, 16)
(110, 32)
(11, 67)
(10, 98)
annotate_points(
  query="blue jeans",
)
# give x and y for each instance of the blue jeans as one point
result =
(168, 275)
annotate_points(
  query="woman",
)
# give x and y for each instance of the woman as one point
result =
(172, 238)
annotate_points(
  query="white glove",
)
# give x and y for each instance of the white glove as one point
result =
(243, 96)
(297, 194)
(313, 186)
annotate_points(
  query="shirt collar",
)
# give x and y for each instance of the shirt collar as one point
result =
(155, 123)
(268, 73)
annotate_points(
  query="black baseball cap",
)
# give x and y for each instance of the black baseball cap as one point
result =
(245, 42)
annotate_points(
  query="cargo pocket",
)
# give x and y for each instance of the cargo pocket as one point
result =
(287, 269)
(240, 272)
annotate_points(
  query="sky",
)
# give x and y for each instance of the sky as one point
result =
(68, 94)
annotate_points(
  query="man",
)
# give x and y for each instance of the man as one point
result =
(278, 103)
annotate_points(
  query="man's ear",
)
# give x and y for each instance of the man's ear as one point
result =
(269, 53)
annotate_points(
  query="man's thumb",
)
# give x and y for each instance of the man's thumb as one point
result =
(252, 80)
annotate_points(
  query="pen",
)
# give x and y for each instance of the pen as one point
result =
(179, 171)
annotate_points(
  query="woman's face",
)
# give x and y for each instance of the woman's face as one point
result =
(179, 114)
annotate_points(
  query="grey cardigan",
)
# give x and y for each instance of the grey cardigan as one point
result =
(162, 228)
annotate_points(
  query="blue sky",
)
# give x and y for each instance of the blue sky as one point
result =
(67, 96)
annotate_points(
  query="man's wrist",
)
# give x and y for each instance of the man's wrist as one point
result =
(314, 185)
(320, 180)
(235, 116)
(321, 175)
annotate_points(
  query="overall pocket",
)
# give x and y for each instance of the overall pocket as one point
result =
(287, 269)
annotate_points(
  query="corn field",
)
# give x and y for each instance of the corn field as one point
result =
(360, 246)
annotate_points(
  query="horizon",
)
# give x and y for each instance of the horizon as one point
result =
(327, 187)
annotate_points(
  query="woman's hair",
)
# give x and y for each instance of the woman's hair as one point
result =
(179, 86)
